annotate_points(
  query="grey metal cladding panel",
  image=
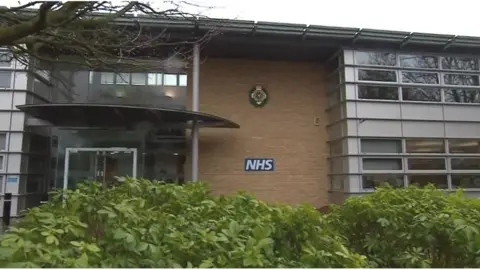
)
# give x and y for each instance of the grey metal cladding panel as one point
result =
(416, 129)
(375, 128)
(227, 25)
(379, 110)
(424, 38)
(466, 41)
(423, 111)
(462, 113)
(462, 130)
(372, 34)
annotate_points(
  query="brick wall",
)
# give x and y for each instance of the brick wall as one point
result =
(284, 130)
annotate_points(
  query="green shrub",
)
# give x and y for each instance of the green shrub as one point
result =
(144, 224)
(411, 228)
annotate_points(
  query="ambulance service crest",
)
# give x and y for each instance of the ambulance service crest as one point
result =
(258, 96)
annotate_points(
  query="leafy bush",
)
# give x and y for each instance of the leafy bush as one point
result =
(144, 224)
(411, 228)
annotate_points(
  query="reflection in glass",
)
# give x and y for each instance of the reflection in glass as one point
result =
(425, 146)
(427, 164)
(376, 180)
(336, 182)
(139, 78)
(439, 181)
(122, 78)
(421, 94)
(420, 77)
(462, 95)
(170, 79)
(381, 146)
(465, 181)
(419, 61)
(5, 79)
(465, 163)
(375, 58)
(107, 78)
(465, 146)
(459, 63)
(377, 75)
(377, 92)
(182, 80)
(460, 79)
(384, 164)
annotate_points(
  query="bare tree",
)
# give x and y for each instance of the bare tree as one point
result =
(95, 35)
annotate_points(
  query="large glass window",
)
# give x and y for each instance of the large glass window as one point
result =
(1, 184)
(465, 181)
(465, 163)
(377, 92)
(462, 95)
(384, 164)
(377, 75)
(419, 77)
(419, 61)
(2, 162)
(376, 180)
(182, 80)
(107, 78)
(375, 58)
(464, 146)
(6, 59)
(459, 63)
(170, 79)
(425, 146)
(381, 146)
(6, 79)
(460, 79)
(139, 78)
(426, 164)
(122, 78)
(421, 180)
(421, 94)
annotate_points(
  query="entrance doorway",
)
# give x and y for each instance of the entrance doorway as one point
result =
(100, 164)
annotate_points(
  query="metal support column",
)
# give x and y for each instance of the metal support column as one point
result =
(195, 105)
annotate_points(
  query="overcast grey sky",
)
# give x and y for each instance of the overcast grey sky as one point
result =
(460, 17)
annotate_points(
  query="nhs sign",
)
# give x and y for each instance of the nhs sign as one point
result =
(259, 164)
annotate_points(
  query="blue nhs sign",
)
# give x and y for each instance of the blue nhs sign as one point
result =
(259, 164)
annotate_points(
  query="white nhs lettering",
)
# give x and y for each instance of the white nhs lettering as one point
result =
(259, 164)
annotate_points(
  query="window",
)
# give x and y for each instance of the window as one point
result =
(464, 146)
(122, 78)
(155, 79)
(459, 63)
(426, 164)
(182, 80)
(170, 79)
(425, 146)
(139, 78)
(5, 59)
(1, 183)
(2, 161)
(465, 163)
(107, 78)
(465, 181)
(462, 95)
(336, 148)
(3, 141)
(421, 94)
(375, 58)
(439, 181)
(377, 75)
(6, 79)
(419, 61)
(376, 180)
(460, 79)
(385, 164)
(336, 182)
(377, 92)
(420, 77)
(381, 146)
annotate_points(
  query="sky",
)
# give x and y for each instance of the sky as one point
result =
(459, 17)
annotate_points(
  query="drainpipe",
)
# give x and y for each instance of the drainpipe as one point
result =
(195, 105)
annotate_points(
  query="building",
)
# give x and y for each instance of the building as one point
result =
(339, 111)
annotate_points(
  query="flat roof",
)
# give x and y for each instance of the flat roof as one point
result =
(272, 40)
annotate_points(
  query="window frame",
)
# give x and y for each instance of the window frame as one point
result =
(357, 77)
(5, 146)
(379, 157)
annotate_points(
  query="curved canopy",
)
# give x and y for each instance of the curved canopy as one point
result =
(108, 115)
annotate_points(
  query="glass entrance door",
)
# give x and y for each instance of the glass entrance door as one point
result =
(101, 164)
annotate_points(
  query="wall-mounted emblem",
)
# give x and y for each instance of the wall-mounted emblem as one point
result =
(259, 164)
(258, 96)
